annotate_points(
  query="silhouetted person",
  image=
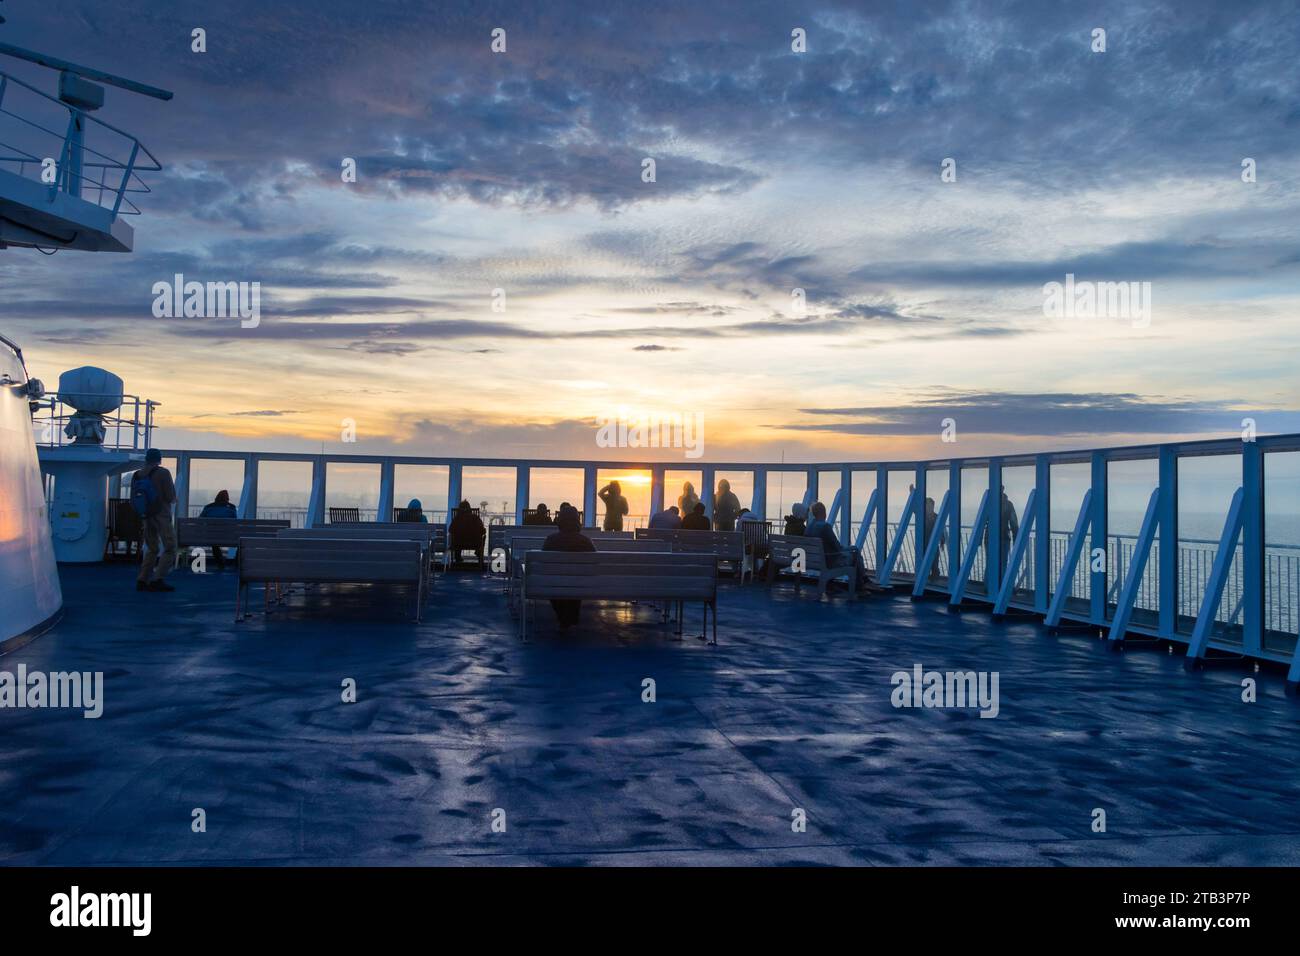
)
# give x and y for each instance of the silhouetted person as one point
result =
(931, 517)
(836, 555)
(725, 507)
(152, 496)
(413, 512)
(466, 532)
(796, 522)
(688, 500)
(696, 520)
(1008, 528)
(540, 515)
(668, 519)
(569, 537)
(219, 507)
(615, 506)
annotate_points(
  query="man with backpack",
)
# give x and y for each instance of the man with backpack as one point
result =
(152, 497)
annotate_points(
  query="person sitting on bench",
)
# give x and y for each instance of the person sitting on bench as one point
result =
(796, 522)
(219, 507)
(414, 512)
(836, 556)
(467, 532)
(568, 538)
(696, 520)
(668, 519)
(540, 515)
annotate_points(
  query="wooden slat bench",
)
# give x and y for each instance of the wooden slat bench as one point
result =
(782, 548)
(621, 576)
(317, 560)
(222, 532)
(723, 545)
(437, 531)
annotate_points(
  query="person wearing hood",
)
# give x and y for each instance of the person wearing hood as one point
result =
(219, 507)
(466, 532)
(569, 537)
(414, 512)
(796, 522)
(725, 507)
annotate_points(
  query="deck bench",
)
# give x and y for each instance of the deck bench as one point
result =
(437, 531)
(296, 559)
(222, 532)
(621, 576)
(726, 546)
(782, 547)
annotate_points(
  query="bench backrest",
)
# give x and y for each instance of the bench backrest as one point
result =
(782, 548)
(422, 533)
(726, 545)
(621, 576)
(225, 532)
(299, 559)
(437, 532)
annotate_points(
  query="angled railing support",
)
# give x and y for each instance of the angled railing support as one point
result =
(932, 546)
(867, 517)
(1077, 541)
(1136, 568)
(1018, 549)
(958, 587)
(836, 503)
(899, 537)
(1232, 526)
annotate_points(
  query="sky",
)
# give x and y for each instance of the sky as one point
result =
(774, 170)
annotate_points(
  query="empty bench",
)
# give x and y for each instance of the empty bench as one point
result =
(437, 533)
(316, 560)
(784, 549)
(621, 576)
(723, 545)
(222, 532)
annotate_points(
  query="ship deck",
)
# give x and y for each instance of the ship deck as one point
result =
(455, 718)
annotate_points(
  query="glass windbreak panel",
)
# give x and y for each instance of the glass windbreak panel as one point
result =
(785, 489)
(1007, 513)
(828, 484)
(862, 485)
(1206, 484)
(283, 490)
(491, 491)
(630, 484)
(741, 484)
(426, 484)
(1070, 482)
(901, 483)
(1128, 491)
(974, 483)
(677, 492)
(210, 476)
(1281, 550)
(351, 491)
(936, 486)
(554, 487)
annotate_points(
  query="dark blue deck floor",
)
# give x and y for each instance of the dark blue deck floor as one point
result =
(791, 710)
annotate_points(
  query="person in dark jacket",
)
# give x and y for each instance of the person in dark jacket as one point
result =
(467, 532)
(696, 520)
(796, 522)
(539, 515)
(219, 507)
(413, 512)
(836, 555)
(668, 519)
(569, 537)
(615, 506)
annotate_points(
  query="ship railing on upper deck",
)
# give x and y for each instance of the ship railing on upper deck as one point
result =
(128, 428)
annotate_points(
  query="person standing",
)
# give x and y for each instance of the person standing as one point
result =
(152, 495)
(725, 507)
(615, 506)
(688, 500)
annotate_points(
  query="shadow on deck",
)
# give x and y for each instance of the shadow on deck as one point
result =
(456, 718)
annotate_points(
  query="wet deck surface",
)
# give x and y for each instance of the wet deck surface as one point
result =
(456, 718)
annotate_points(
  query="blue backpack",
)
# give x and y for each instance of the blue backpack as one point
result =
(143, 492)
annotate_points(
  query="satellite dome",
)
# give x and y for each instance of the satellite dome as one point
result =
(90, 389)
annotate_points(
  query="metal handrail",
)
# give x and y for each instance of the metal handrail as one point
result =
(75, 183)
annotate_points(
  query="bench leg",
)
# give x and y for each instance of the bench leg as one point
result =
(714, 642)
